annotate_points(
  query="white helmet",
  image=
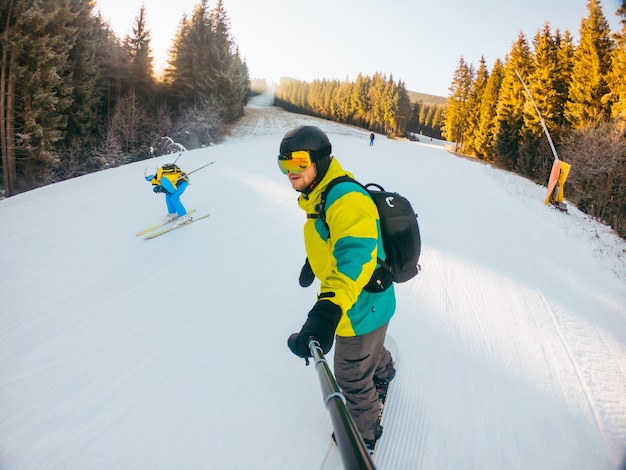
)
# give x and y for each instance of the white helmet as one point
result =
(150, 172)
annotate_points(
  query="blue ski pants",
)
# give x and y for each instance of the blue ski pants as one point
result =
(173, 200)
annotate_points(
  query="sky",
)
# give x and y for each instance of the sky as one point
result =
(417, 41)
(171, 353)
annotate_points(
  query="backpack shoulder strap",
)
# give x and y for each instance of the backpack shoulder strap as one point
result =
(321, 214)
(321, 207)
(157, 178)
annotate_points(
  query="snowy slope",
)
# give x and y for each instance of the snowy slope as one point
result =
(171, 353)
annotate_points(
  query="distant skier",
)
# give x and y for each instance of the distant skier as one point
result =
(372, 137)
(172, 181)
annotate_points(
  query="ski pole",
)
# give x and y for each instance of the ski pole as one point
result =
(197, 169)
(203, 166)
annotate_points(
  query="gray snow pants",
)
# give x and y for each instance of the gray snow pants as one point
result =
(358, 359)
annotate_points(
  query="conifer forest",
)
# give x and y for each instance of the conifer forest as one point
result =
(75, 99)
(578, 90)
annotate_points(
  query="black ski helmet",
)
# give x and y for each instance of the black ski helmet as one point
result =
(309, 138)
(314, 140)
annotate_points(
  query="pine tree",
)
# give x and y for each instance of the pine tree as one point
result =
(343, 113)
(509, 118)
(205, 66)
(403, 104)
(437, 121)
(414, 118)
(137, 46)
(592, 62)
(474, 109)
(484, 133)
(315, 98)
(193, 53)
(390, 107)
(427, 112)
(565, 61)
(239, 80)
(375, 113)
(115, 69)
(457, 111)
(232, 82)
(128, 125)
(359, 100)
(535, 155)
(543, 84)
(84, 117)
(616, 77)
(42, 36)
(9, 45)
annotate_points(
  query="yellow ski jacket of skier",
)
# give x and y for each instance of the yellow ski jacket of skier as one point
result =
(345, 260)
(169, 176)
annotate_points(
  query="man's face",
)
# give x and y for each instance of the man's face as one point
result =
(301, 181)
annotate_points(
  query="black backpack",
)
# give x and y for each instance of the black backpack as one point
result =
(400, 232)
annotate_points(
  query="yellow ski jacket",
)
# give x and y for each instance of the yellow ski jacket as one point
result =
(345, 261)
(169, 176)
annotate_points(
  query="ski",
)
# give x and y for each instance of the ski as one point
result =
(159, 225)
(332, 458)
(169, 229)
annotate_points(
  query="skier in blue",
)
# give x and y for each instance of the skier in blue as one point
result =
(172, 181)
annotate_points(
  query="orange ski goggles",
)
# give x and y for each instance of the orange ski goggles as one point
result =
(294, 162)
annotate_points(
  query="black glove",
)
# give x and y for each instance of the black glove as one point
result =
(306, 275)
(321, 324)
(158, 189)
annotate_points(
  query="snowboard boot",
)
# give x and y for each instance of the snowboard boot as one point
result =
(382, 385)
(378, 432)
(369, 444)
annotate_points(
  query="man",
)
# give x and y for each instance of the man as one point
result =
(172, 181)
(343, 256)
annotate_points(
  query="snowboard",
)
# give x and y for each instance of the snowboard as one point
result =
(332, 458)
